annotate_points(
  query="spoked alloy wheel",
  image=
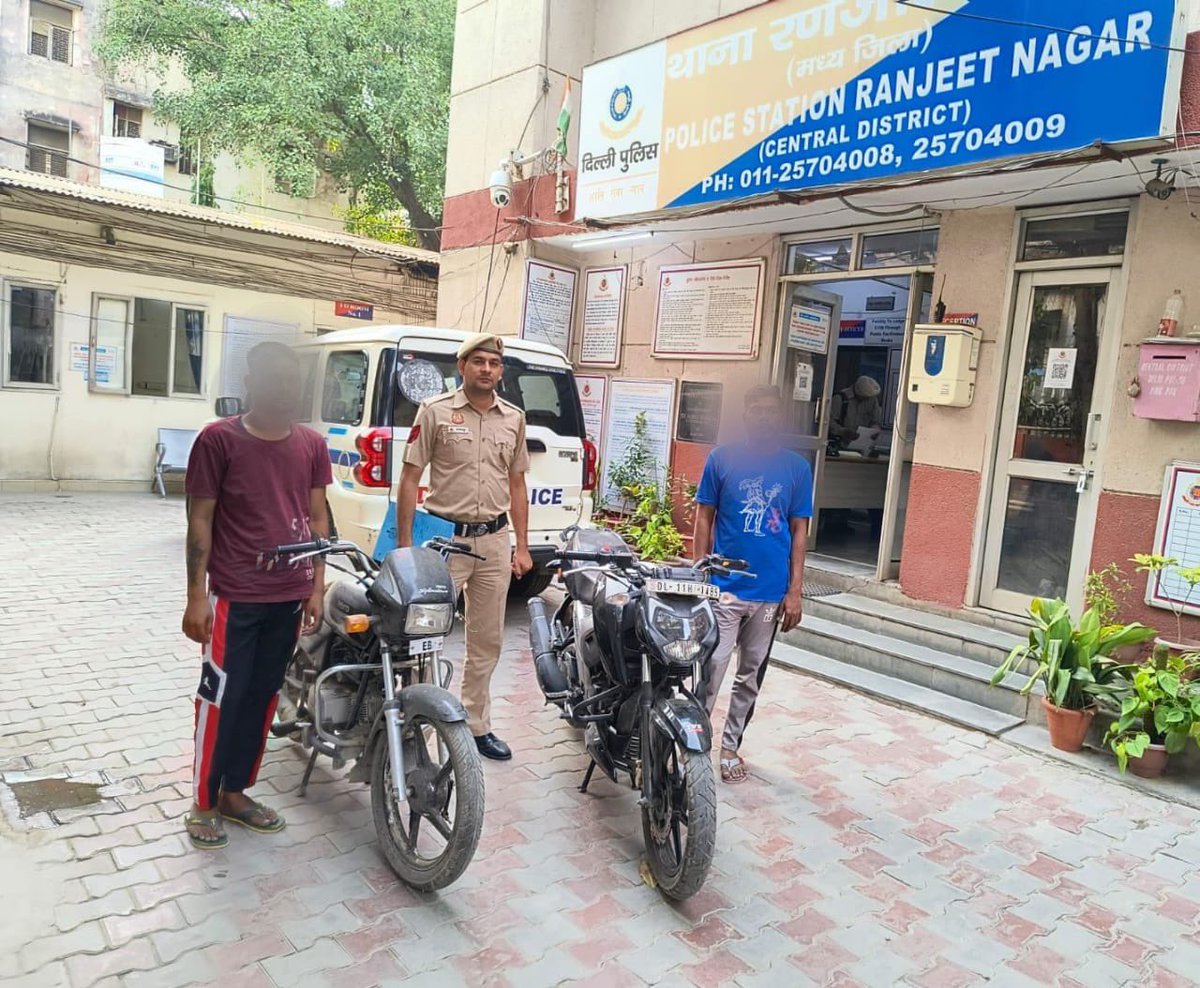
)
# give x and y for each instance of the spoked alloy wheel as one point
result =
(680, 830)
(431, 837)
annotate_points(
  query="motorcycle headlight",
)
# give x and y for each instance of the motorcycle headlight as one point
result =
(680, 636)
(682, 650)
(667, 623)
(428, 619)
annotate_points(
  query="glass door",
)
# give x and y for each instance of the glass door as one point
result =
(1045, 495)
(808, 333)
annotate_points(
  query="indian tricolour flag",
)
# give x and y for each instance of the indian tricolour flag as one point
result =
(564, 121)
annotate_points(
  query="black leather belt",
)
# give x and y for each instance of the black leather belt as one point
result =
(474, 529)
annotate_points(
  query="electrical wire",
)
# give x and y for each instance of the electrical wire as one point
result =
(487, 286)
(988, 19)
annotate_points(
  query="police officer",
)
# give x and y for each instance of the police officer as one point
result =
(473, 442)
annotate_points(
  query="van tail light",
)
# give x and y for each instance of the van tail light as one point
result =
(590, 457)
(375, 453)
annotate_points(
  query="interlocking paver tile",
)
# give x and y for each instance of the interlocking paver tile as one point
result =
(871, 847)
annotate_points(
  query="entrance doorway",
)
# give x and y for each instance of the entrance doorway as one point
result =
(1045, 495)
(843, 358)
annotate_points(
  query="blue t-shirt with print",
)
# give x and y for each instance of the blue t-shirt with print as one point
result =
(756, 494)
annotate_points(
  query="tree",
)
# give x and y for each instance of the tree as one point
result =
(359, 88)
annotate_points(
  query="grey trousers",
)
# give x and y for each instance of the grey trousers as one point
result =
(748, 626)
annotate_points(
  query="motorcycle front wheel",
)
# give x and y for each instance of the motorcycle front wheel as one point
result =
(430, 838)
(680, 829)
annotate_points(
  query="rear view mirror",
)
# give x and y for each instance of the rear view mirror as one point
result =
(228, 407)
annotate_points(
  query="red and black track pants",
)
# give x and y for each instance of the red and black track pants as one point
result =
(242, 672)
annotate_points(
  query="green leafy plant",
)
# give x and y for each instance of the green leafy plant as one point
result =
(1163, 566)
(1107, 591)
(1073, 661)
(1160, 704)
(651, 528)
(637, 468)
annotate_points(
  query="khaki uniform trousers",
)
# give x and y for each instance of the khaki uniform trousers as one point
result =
(485, 584)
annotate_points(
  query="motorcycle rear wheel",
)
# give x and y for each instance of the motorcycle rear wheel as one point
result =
(681, 830)
(445, 797)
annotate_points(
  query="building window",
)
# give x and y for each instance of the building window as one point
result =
(48, 149)
(147, 346)
(185, 161)
(344, 393)
(50, 29)
(906, 249)
(126, 120)
(29, 336)
(819, 256)
(1077, 235)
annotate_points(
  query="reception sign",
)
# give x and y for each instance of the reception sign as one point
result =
(800, 94)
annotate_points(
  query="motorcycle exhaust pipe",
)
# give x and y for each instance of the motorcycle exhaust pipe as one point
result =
(545, 662)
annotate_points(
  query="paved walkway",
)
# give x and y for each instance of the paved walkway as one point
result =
(872, 846)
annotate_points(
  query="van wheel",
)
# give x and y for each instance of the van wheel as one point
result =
(333, 532)
(530, 585)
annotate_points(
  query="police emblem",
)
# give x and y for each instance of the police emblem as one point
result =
(457, 418)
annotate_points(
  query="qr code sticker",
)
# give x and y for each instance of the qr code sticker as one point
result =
(1058, 372)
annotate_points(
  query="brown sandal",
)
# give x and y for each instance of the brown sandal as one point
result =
(733, 770)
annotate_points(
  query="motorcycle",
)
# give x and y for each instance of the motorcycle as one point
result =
(615, 659)
(369, 685)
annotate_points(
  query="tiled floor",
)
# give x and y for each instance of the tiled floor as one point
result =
(872, 846)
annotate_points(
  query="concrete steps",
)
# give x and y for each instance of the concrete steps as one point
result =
(915, 658)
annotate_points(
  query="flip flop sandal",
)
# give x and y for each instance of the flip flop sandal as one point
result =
(212, 821)
(245, 819)
(733, 770)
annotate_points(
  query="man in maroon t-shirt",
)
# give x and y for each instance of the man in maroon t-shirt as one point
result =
(253, 482)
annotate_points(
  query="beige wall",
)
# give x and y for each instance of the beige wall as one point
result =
(1166, 244)
(973, 270)
(105, 439)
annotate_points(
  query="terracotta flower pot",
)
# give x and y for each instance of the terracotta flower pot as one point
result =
(1068, 728)
(1152, 764)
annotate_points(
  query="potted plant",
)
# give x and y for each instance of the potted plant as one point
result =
(1107, 592)
(1074, 663)
(1161, 568)
(1160, 711)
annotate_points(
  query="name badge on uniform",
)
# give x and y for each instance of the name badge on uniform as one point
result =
(458, 430)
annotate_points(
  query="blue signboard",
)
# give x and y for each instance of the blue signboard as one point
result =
(803, 94)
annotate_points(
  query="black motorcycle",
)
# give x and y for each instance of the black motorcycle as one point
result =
(369, 685)
(616, 659)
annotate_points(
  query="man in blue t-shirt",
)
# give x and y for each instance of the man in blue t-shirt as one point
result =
(755, 500)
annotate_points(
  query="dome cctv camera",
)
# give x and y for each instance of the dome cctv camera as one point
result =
(500, 186)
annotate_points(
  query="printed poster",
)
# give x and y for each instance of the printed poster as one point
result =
(806, 94)
(603, 315)
(592, 389)
(802, 387)
(1060, 369)
(709, 311)
(1178, 537)
(626, 398)
(808, 328)
(549, 304)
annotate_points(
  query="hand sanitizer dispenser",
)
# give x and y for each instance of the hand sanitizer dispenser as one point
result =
(942, 365)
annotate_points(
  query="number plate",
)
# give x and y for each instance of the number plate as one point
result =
(424, 646)
(684, 588)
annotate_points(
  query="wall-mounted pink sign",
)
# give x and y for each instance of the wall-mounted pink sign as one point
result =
(1169, 374)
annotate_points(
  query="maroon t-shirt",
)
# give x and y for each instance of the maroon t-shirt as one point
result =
(262, 489)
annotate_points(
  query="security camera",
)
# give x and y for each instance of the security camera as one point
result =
(1161, 186)
(500, 186)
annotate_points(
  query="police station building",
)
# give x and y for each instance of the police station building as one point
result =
(949, 230)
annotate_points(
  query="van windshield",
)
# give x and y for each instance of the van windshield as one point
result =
(545, 393)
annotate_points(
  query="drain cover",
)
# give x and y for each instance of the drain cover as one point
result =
(46, 795)
(820, 589)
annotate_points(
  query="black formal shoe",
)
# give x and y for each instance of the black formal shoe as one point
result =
(491, 746)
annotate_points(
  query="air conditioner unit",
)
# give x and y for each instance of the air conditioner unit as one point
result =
(170, 151)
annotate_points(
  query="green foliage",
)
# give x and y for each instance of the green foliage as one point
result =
(359, 88)
(651, 527)
(1160, 704)
(1106, 591)
(637, 468)
(1161, 567)
(373, 214)
(1073, 661)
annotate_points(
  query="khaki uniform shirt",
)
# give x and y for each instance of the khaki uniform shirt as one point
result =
(470, 456)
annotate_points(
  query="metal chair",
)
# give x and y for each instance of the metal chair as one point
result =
(171, 454)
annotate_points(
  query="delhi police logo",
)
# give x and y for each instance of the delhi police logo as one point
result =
(620, 103)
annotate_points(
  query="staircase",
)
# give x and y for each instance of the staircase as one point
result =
(874, 641)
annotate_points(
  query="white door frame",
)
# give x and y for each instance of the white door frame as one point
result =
(1004, 468)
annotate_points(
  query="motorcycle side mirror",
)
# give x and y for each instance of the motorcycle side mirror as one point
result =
(227, 407)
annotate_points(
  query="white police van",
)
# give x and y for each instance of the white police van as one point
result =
(363, 389)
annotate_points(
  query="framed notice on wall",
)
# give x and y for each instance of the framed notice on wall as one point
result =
(548, 304)
(709, 311)
(603, 316)
(699, 419)
(1177, 537)
(626, 399)
(242, 336)
(592, 389)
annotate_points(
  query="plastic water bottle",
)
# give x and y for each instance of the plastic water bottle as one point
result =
(1168, 325)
